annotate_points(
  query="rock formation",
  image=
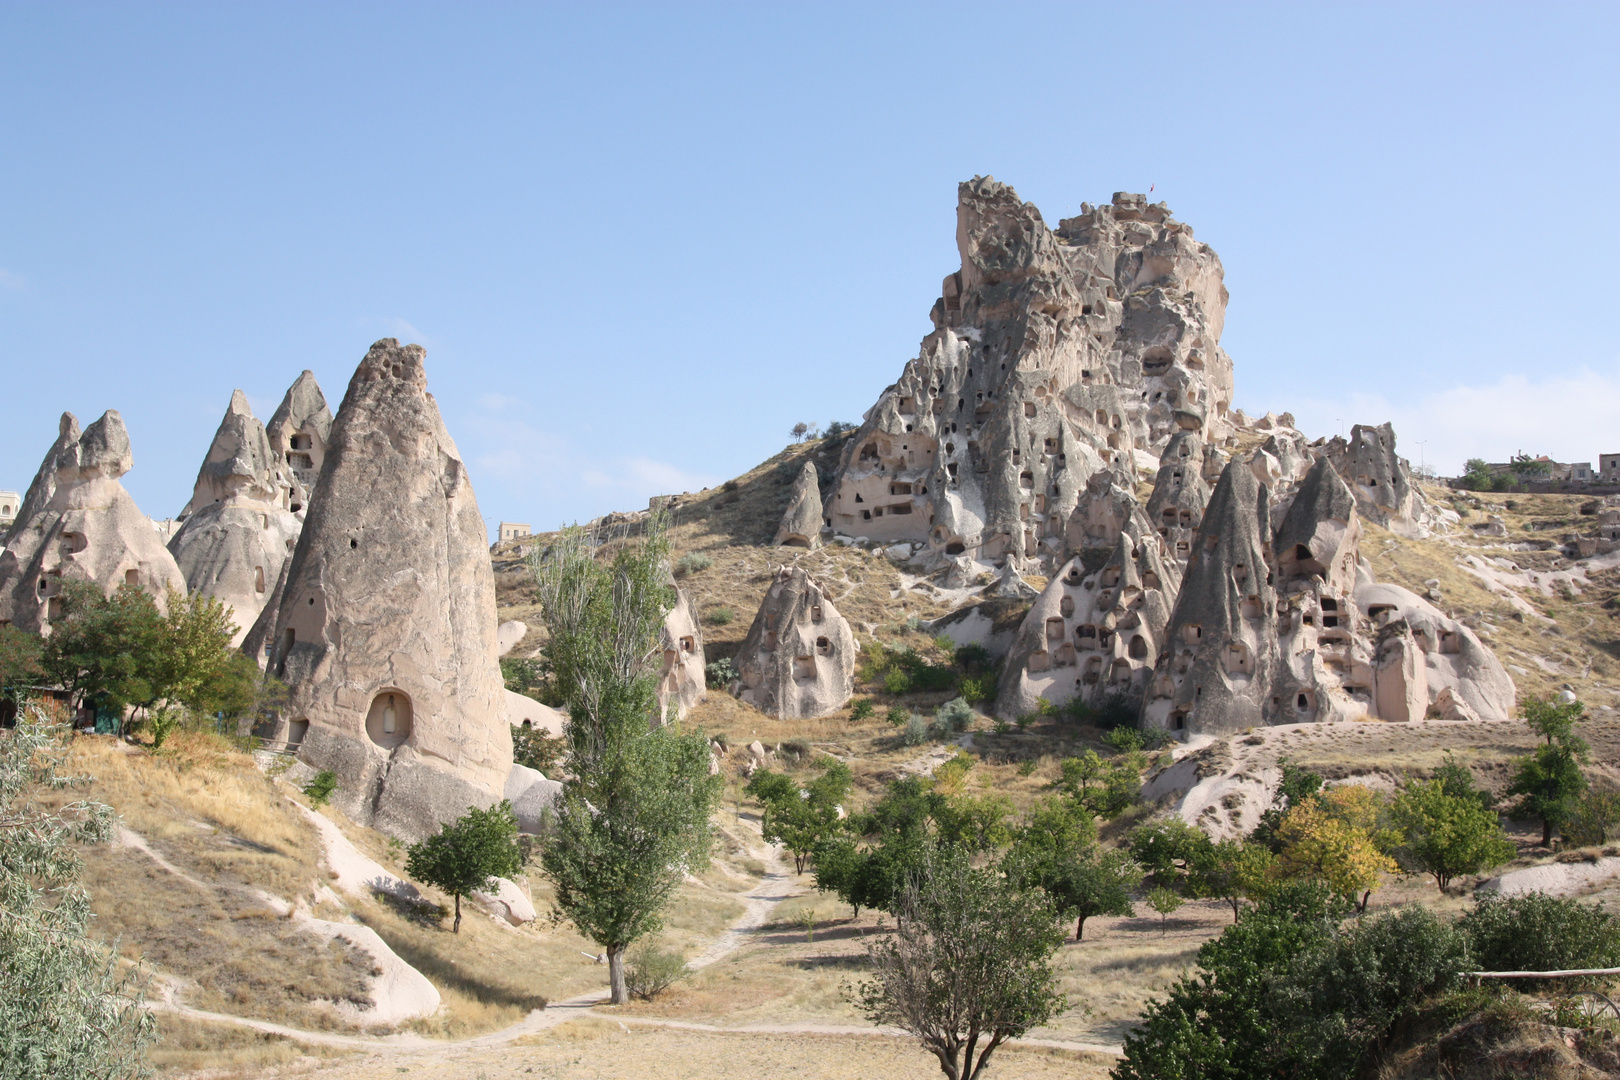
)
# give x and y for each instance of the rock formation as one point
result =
(802, 520)
(385, 632)
(1380, 479)
(299, 431)
(237, 533)
(798, 659)
(1054, 354)
(1460, 672)
(681, 679)
(82, 526)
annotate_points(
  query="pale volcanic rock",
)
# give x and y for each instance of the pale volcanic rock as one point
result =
(1380, 479)
(1455, 659)
(386, 628)
(1180, 494)
(44, 482)
(1055, 354)
(87, 529)
(509, 634)
(237, 533)
(682, 682)
(798, 660)
(802, 520)
(299, 431)
(1400, 675)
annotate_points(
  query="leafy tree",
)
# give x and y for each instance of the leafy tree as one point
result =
(1164, 901)
(1297, 785)
(534, 748)
(1458, 782)
(800, 431)
(800, 818)
(468, 855)
(102, 649)
(634, 818)
(1104, 788)
(1555, 721)
(319, 790)
(193, 663)
(19, 666)
(1233, 871)
(65, 1011)
(1325, 846)
(1218, 1023)
(1056, 851)
(1537, 932)
(1446, 835)
(970, 963)
(1526, 467)
(1549, 785)
(1593, 820)
(1171, 852)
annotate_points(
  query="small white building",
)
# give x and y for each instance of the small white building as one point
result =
(1609, 468)
(512, 530)
(10, 501)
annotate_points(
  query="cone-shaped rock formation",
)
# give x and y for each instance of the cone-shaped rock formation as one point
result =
(798, 659)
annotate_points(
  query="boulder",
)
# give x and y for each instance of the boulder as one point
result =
(802, 520)
(237, 533)
(524, 711)
(1454, 657)
(798, 659)
(531, 795)
(1449, 705)
(506, 902)
(385, 633)
(508, 634)
(81, 526)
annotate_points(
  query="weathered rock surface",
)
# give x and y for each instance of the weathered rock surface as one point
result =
(798, 659)
(802, 520)
(681, 679)
(83, 526)
(508, 634)
(1380, 479)
(1455, 660)
(237, 532)
(1055, 354)
(531, 795)
(386, 629)
(299, 431)
(524, 711)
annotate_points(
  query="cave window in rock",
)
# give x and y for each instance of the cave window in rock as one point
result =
(1240, 573)
(1110, 577)
(1450, 642)
(770, 641)
(132, 577)
(1054, 628)
(1040, 660)
(899, 488)
(823, 646)
(878, 512)
(815, 613)
(388, 721)
(1113, 441)
(1031, 545)
(1086, 635)
(1150, 580)
(1064, 656)
(1029, 409)
(1251, 608)
(1023, 511)
(1155, 361)
(73, 542)
(258, 579)
(1093, 671)
(688, 645)
(53, 608)
(1138, 648)
(908, 406)
(1074, 576)
(899, 508)
(1066, 607)
(1238, 659)
(296, 730)
(1120, 673)
(955, 547)
(804, 667)
(866, 515)
(1191, 633)
(1169, 514)
(1304, 702)
(1026, 480)
(1178, 720)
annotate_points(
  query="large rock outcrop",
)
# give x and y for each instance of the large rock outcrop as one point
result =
(237, 532)
(1456, 664)
(1380, 479)
(1054, 354)
(798, 659)
(299, 431)
(802, 521)
(681, 679)
(82, 526)
(386, 631)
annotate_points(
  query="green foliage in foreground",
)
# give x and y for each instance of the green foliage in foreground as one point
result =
(65, 1008)
(534, 749)
(1446, 835)
(468, 855)
(1536, 932)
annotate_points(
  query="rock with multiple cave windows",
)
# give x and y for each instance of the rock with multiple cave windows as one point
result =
(1055, 353)
(798, 659)
(299, 431)
(236, 533)
(802, 521)
(1462, 676)
(386, 632)
(81, 525)
(1381, 479)
(681, 679)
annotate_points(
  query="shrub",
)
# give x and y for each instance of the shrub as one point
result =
(914, 624)
(838, 427)
(691, 563)
(534, 749)
(1595, 818)
(897, 715)
(896, 681)
(720, 616)
(862, 709)
(721, 673)
(944, 644)
(980, 687)
(1537, 932)
(320, 789)
(1001, 727)
(916, 730)
(955, 714)
(650, 970)
(973, 658)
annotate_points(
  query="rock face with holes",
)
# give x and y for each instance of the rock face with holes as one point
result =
(681, 680)
(385, 632)
(798, 659)
(237, 532)
(1054, 354)
(802, 520)
(82, 526)
(1380, 479)
(1463, 677)
(299, 431)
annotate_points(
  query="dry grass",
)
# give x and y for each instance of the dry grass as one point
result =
(225, 1052)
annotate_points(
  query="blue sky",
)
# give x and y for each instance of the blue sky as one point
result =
(640, 242)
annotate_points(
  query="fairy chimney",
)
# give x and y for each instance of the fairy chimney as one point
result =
(802, 521)
(798, 659)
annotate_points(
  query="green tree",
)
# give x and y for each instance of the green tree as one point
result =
(1297, 785)
(1549, 785)
(1593, 820)
(65, 1011)
(1056, 851)
(1457, 781)
(1105, 788)
(19, 666)
(1555, 720)
(969, 963)
(1526, 467)
(800, 818)
(193, 663)
(103, 649)
(534, 748)
(1537, 932)
(469, 854)
(634, 818)
(1446, 835)
(1233, 871)
(1171, 852)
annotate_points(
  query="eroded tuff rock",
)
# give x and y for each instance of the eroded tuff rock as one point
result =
(1380, 479)
(798, 659)
(237, 533)
(385, 632)
(1461, 673)
(299, 431)
(681, 679)
(82, 526)
(802, 520)
(1054, 354)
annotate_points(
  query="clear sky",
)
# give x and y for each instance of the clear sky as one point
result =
(640, 242)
